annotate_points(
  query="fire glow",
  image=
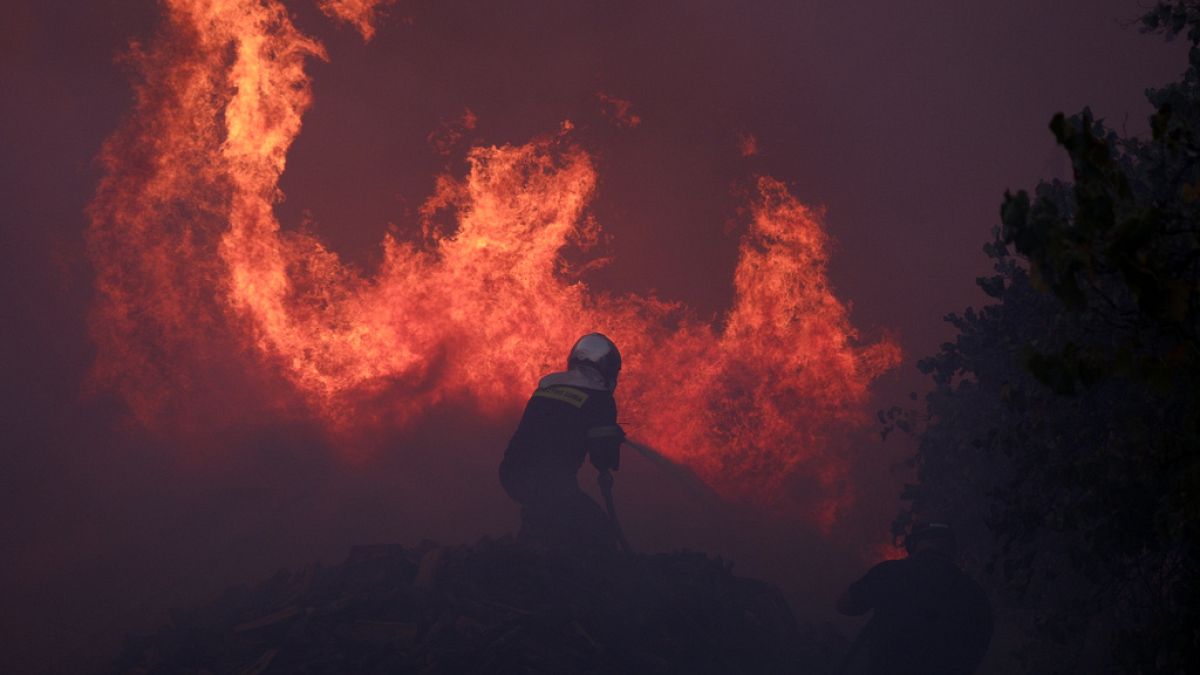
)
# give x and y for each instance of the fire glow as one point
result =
(194, 273)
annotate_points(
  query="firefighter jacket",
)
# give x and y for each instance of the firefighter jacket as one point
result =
(571, 415)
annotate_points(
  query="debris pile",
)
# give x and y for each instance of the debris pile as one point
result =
(495, 607)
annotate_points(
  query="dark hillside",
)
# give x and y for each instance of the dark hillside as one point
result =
(495, 607)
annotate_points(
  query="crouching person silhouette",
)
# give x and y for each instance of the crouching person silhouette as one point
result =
(571, 415)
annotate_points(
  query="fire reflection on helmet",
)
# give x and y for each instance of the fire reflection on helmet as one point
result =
(596, 351)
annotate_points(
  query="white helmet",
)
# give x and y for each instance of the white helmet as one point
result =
(598, 352)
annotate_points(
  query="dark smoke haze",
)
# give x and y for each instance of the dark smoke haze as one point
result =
(906, 120)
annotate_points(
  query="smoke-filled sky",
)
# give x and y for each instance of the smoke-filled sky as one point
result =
(905, 122)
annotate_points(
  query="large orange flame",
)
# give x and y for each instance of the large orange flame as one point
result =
(194, 274)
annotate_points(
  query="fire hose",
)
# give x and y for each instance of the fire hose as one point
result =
(680, 474)
(606, 489)
(683, 476)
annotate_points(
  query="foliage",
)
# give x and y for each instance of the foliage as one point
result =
(1063, 430)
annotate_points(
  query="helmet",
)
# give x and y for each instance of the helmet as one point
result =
(598, 352)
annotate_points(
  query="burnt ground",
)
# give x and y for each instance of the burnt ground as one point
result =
(495, 607)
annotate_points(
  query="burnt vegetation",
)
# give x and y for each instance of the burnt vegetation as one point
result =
(1063, 428)
(494, 607)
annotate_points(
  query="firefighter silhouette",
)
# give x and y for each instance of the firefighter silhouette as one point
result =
(929, 617)
(571, 415)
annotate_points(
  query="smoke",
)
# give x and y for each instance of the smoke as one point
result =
(209, 312)
(351, 391)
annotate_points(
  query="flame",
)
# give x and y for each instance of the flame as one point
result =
(195, 275)
(450, 133)
(362, 14)
(747, 144)
(619, 110)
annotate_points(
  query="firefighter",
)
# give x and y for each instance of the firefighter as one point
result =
(571, 415)
(929, 617)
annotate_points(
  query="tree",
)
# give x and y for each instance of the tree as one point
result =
(1063, 429)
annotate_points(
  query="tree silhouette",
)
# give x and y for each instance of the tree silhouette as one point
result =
(1063, 430)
